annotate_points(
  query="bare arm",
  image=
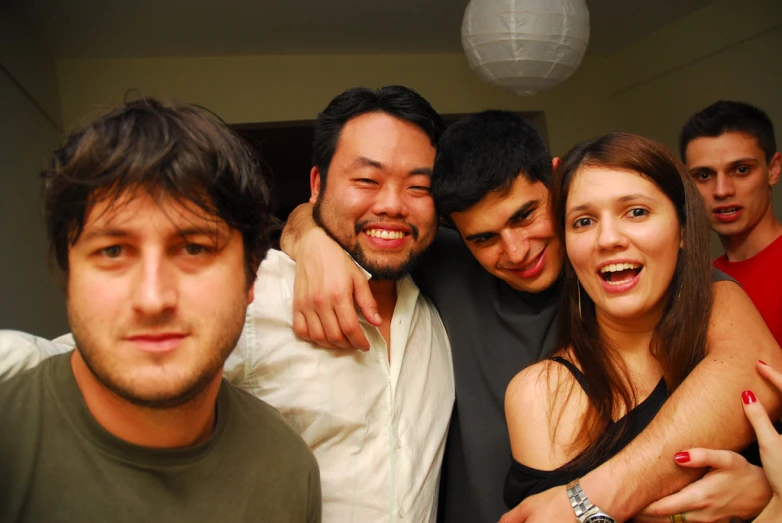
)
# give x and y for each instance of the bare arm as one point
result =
(327, 283)
(703, 412)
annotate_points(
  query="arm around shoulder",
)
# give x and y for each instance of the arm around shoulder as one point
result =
(20, 351)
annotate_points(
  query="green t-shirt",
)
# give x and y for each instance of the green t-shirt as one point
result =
(57, 464)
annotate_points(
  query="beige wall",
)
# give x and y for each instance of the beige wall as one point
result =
(29, 129)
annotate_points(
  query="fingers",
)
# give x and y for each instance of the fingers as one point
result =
(699, 458)
(770, 374)
(758, 418)
(347, 325)
(365, 301)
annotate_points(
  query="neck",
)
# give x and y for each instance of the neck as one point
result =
(384, 292)
(176, 427)
(630, 339)
(745, 245)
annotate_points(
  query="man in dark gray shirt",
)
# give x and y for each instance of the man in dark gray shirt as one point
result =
(496, 286)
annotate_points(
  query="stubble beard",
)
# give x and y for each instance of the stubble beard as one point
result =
(212, 358)
(378, 271)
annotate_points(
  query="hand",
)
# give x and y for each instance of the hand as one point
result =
(770, 443)
(550, 505)
(327, 282)
(731, 488)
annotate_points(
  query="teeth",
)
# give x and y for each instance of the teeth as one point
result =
(727, 211)
(385, 234)
(616, 267)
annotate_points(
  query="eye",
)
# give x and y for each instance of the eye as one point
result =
(638, 212)
(743, 169)
(420, 188)
(582, 222)
(113, 251)
(701, 176)
(194, 249)
(366, 181)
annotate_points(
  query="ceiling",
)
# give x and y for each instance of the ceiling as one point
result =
(178, 28)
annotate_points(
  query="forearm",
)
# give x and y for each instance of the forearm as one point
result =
(704, 411)
(20, 351)
(299, 222)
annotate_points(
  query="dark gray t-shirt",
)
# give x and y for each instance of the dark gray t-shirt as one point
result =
(57, 464)
(495, 331)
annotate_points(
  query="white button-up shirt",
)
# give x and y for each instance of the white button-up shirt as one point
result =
(377, 428)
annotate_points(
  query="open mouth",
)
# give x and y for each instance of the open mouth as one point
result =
(726, 211)
(385, 234)
(619, 273)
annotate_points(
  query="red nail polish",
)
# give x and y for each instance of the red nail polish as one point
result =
(763, 362)
(748, 397)
(682, 457)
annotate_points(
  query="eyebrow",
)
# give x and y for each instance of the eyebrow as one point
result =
(732, 163)
(363, 161)
(521, 211)
(121, 233)
(624, 199)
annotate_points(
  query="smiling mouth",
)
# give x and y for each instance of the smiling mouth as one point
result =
(619, 273)
(385, 234)
(727, 211)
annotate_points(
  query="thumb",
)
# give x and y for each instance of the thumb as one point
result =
(365, 300)
(758, 418)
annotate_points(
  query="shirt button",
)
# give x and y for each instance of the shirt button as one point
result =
(401, 512)
(399, 443)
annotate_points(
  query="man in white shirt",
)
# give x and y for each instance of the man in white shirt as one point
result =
(376, 420)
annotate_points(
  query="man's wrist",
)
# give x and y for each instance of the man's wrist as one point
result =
(600, 487)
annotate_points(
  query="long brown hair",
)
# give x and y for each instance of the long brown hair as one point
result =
(679, 340)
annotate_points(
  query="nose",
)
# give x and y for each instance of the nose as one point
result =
(390, 201)
(154, 291)
(610, 235)
(724, 187)
(515, 244)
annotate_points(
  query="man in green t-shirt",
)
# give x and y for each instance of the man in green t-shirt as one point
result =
(157, 218)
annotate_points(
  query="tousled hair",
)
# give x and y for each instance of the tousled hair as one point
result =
(679, 339)
(485, 153)
(163, 149)
(398, 101)
(729, 117)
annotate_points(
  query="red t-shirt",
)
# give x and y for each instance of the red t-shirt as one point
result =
(761, 277)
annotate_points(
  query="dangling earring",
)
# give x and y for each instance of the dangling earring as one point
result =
(578, 286)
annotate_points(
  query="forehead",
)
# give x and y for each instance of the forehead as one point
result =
(384, 138)
(494, 210)
(597, 185)
(714, 150)
(137, 210)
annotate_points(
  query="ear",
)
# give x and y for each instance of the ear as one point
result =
(314, 185)
(774, 167)
(555, 164)
(251, 294)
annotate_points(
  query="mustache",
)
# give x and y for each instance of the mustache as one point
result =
(413, 229)
(165, 321)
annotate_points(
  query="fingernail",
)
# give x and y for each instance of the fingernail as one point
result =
(682, 457)
(748, 397)
(763, 362)
(377, 317)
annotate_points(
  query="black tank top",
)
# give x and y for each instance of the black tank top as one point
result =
(523, 481)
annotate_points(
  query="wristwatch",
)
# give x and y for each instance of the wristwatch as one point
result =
(586, 512)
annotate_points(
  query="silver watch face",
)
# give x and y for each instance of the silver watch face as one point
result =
(599, 518)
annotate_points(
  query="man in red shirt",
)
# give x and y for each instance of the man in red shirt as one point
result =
(731, 153)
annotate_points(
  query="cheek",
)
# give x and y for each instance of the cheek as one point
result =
(578, 248)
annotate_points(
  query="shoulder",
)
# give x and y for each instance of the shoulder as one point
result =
(20, 351)
(265, 425)
(542, 408)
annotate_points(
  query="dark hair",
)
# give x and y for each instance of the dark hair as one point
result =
(178, 150)
(485, 153)
(730, 117)
(396, 100)
(679, 339)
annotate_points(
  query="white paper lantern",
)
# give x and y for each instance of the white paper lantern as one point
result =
(525, 46)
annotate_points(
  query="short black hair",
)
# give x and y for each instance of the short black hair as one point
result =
(396, 100)
(730, 117)
(173, 149)
(485, 153)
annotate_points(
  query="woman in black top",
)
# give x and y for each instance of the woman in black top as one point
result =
(635, 310)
